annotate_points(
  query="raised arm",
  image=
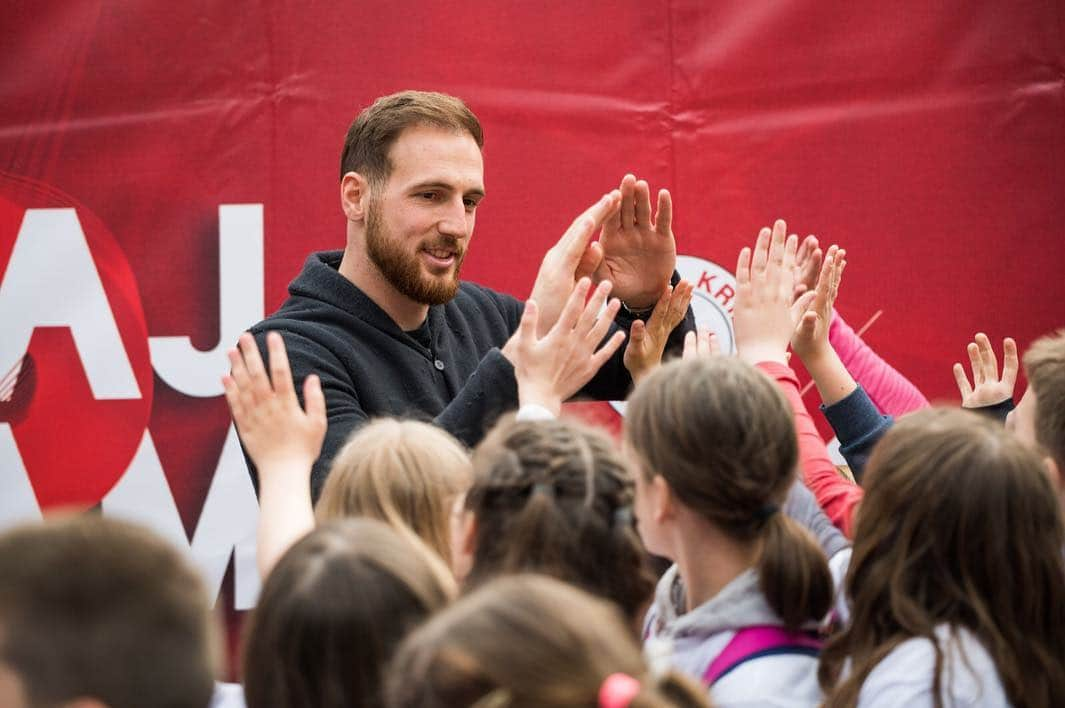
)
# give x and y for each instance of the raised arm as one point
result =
(281, 438)
(765, 318)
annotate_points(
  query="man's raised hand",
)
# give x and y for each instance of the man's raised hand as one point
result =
(639, 251)
(573, 257)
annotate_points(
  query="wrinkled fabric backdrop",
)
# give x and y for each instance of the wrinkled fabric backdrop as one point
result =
(166, 167)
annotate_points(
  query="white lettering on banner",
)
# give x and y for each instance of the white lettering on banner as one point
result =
(241, 293)
(227, 523)
(52, 281)
(18, 502)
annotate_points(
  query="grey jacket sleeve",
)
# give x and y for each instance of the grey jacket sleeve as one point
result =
(802, 506)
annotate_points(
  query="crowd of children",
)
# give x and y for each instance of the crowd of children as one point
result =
(715, 555)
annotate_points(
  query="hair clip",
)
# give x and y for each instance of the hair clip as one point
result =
(618, 690)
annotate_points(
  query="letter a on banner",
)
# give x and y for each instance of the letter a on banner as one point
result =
(51, 281)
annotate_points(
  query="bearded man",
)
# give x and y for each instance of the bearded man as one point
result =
(386, 323)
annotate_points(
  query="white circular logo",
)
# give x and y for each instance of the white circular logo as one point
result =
(712, 302)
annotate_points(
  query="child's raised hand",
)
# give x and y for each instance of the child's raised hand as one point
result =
(700, 343)
(807, 265)
(766, 312)
(987, 388)
(552, 368)
(648, 341)
(275, 431)
(811, 336)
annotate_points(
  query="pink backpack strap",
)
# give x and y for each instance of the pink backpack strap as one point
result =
(758, 641)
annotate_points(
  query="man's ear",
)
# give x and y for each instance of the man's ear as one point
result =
(354, 196)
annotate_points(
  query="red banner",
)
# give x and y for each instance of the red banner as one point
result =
(167, 167)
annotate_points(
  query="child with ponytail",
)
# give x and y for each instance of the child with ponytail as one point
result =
(715, 447)
(530, 640)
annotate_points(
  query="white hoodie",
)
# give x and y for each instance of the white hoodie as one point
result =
(690, 641)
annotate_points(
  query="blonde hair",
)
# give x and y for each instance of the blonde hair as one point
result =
(403, 472)
(527, 640)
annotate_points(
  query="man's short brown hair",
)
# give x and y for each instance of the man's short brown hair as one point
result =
(97, 608)
(1044, 364)
(371, 136)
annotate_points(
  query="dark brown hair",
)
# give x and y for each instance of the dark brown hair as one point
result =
(554, 497)
(94, 607)
(526, 640)
(378, 126)
(722, 436)
(332, 611)
(958, 527)
(1044, 364)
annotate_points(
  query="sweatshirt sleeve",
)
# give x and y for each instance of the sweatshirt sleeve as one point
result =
(859, 426)
(889, 390)
(837, 495)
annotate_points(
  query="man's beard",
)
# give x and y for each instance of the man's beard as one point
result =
(404, 270)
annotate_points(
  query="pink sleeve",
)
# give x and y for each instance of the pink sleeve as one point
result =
(837, 495)
(889, 390)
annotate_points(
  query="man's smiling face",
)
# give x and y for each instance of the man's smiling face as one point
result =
(420, 221)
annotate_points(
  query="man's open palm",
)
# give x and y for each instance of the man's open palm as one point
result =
(639, 251)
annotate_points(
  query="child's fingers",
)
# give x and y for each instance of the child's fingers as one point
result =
(602, 325)
(690, 346)
(237, 370)
(962, 381)
(637, 333)
(974, 361)
(761, 250)
(530, 316)
(253, 361)
(314, 399)
(574, 305)
(988, 360)
(743, 266)
(280, 372)
(661, 311)
(229, 386)
(1010, 363)
(591, 310)
(713, 344)
(607, 350)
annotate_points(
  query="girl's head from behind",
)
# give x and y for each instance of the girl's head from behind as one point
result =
(332, 611)
(959, 526)
(554, 497)
(714, 441)
(404, 472)
(527, 640)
